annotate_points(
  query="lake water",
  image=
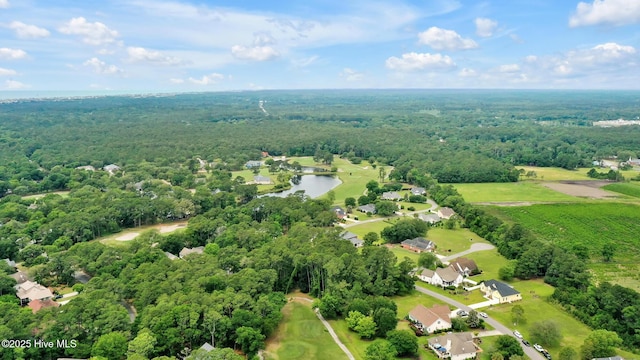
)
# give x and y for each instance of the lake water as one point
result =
(313, 186)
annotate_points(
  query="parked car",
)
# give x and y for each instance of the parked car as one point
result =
(525, 342)
(483, 314)
(57, 297)
(462, 313)
(517, 334)
(547, 355)
(538, 348)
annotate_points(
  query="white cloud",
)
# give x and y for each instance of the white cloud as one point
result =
(467, 73)
(254, 53)
(140, 54)
(12, 54)
(509, 68)
(176, 81)
(14, 85)
(442, 39)
(210, 79)
(351, 75)
(613, 12)
(485, 27)
(4, 4)
(25, 31)
(95, 33)
(7, 72)
(100, 67)
(304, 62)
(415, 61)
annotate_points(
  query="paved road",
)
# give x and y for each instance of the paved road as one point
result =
(529, 351)
(359, 222)
(474, 247)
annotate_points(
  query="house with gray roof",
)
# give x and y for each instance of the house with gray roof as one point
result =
(446, 277)
(188, 251)
(10, 262)
(391, 195)
(456, 346)
(29, 291)
(429, 218)
(446, 213)
(261, 180)
(418, 244)
(353, 238)
(111, 168)
(418, 191)
(253, 164)
(369, 208)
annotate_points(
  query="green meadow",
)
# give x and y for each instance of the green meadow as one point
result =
(512, 192)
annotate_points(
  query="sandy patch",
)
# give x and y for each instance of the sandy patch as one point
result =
(171, 228)
(589, 190)
(127, 236)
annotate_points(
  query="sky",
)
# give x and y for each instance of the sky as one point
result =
(188, 45)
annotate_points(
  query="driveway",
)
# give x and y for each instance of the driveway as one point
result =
(474, 247)
(529, 351)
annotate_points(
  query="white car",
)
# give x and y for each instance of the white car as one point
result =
(483, 314)
(517, 334)
(538, 347)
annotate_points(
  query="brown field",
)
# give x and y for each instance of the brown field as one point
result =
(587, 188)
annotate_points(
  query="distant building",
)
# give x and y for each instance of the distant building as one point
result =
(86, 168)
(418, 191)
(340, 213)
(391, 195)
(353, 238)
(261, 180)
(369, 208)
(429, 218)
(187, 251)
(446, 213)
(37, 305)
(464, 266)
(253, 164)
(111, 168)
(418, 244)
(29, 291)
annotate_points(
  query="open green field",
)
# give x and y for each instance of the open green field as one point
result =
(301, 335)
(630, 189)
(555, 174)
(408, 302)
(376, 226)
(401, 253)
(592, 225)
(40, 196)
(452, 241)
(489, 261)
(508, 192)
(465, 297)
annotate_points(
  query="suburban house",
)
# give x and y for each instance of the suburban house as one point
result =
(340, 213)
(369, 208)
(187, 251)
(418, 245)
(207, 347)
(20, 277)
(37, 305)
(111, 168)
(426, 275)
(430, 218)
(170, 255)
(457, 346)
(10, 262)
(446, 277)
(353, 238)
(253, 164)
(86, 168)
(261, 180)
(500, 291)
(464, 266)
(431, 319)
(29, 291)
(446, 213)
(418, 191)
(391, 195)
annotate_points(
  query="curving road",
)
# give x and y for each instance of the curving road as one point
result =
(529, 351)
(474, 247)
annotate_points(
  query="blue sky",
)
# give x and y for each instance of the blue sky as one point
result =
(188, 45)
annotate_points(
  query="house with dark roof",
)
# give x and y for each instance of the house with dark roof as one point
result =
(446, 277)
(418, 191)
(446, 213)
(500, 291)
(418, 244)
(391, 195)
(430, 218)
(428, 320)
(369, 208)
(456, 346)
(353, 238)
(464, 266)
(340, 213)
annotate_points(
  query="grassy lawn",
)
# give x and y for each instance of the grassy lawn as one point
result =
(353, 177)
(506, 192)
(301, 335)
(377, 226)
(408, 302)
(630, 189)
(40, 196)
(350, 339)
(534, 295)
(466, 297)
(556, 174)
(487, 346)
(489, 262)
(456, 240)
(401, 253)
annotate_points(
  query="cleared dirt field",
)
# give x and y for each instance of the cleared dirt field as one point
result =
(162, 228)
(586, 189)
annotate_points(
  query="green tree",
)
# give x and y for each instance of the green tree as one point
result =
(350, 201)
(506, 272)
(546, 332)
(473, 320)
(508, 346)
(212, 249)
(497, 356)
(385, 320)
(568, 353)
(143, 344)
(353, 319)
(112, 346)
(370, 238)
(380, 350)
(608, 250)
(428, 260)
(459, 324)
(366, 327)
(517, 314)
(404, 341)
(382, 173)
(386, 208)
(250, 340)
(600, 344)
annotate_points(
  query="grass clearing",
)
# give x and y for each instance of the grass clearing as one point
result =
(64, 194)
(630, 189)
(376, 226)
(465, 297)
(456, 240)
(591, 225)
(555, 174)
(301, 335)
(350, 339)
(511, 192)
(489, 261)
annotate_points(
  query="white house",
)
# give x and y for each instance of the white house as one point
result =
(431, 319)
(457, 346)
(446, 277)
